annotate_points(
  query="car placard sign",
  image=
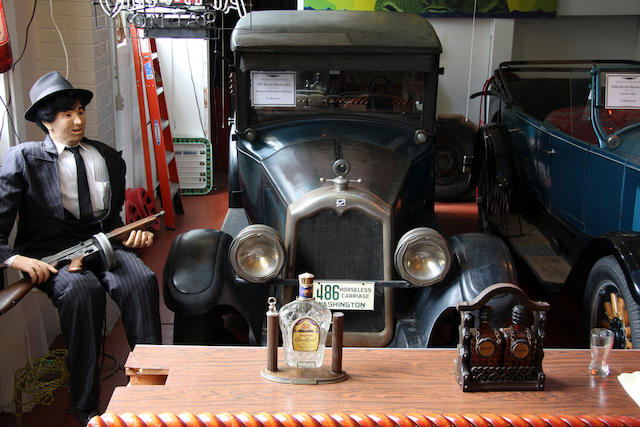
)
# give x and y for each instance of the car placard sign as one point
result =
(345, 294)
(273, 89)
(623, 91)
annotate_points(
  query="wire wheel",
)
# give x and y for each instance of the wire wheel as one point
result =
(493, 201)
(609, 303)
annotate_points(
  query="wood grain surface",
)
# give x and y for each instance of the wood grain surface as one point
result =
(228, 380)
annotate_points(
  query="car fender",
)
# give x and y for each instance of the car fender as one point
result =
(233, 179)
(198, 277)
(625, 246)
(494, 145)
(481, 260)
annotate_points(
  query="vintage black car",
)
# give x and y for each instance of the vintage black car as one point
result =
(332, 173)
(559, 179)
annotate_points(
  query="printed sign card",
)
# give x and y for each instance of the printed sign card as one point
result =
(623, 91)
(273, 89)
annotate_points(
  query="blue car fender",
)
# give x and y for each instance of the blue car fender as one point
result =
(481, 261)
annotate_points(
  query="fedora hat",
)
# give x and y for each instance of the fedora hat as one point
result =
(49, 85)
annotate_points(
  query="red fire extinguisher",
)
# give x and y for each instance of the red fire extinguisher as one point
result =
(6, 59)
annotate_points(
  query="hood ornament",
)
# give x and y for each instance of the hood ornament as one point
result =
(341, 169)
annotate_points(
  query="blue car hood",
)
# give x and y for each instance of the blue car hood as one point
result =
(295, 157)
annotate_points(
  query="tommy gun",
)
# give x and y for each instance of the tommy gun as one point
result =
(100, 243)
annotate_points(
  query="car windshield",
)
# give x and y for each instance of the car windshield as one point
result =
(620, 101)
(561, 97)
(281, 94)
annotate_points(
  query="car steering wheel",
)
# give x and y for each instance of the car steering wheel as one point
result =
(626, 129)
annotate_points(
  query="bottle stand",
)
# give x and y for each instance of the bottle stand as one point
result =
(500, 378)
(289, 375)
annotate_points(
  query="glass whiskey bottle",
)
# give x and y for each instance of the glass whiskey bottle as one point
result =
(486, 341)
(304, 323)
(519, 341)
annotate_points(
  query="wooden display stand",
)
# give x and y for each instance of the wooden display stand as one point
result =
(289, 375)
(499, 378)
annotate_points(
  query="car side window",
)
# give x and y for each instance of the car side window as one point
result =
(572, 111)
(560, 100)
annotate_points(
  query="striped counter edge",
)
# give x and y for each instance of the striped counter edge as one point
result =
(355, 420)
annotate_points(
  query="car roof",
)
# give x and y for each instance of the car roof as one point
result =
(334, 31)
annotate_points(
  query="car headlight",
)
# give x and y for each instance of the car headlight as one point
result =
(257, 253)
(422, 257)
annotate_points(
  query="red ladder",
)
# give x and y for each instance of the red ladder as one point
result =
(147, 66)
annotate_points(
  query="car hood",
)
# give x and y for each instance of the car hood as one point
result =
(297, 156)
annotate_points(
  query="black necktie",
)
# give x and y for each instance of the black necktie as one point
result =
(84, 198)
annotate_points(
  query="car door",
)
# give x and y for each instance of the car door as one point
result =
(565, 159)
(524, 136)
(603, 192)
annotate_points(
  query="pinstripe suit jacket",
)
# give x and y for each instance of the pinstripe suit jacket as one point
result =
(30, 188)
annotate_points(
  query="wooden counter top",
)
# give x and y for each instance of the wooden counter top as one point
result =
(228, 380)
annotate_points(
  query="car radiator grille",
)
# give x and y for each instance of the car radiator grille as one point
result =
(347, 247)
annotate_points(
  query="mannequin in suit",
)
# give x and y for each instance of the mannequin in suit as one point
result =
(40, 184)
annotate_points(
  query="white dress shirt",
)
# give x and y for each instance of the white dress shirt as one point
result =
(97, 176)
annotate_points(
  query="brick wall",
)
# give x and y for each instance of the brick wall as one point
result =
(86, 34)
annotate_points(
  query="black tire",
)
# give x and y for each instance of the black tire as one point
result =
(605, 277)
(455, 139)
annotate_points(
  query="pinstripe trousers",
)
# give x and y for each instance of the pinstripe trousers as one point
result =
(81, 302)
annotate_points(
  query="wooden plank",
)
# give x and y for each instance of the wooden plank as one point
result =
(228, 379)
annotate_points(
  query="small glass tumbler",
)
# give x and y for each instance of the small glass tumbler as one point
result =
(601, 344)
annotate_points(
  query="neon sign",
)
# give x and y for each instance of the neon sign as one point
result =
(114, 7)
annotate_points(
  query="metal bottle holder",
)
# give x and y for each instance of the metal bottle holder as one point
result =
(290, 375)
(499, 378)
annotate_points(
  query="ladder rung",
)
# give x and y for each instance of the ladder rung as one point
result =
(145, 53)
(169, 155)
(175, 188)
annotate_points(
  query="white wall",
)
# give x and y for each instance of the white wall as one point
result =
(491, 45)
(577, 37)
(185, 75)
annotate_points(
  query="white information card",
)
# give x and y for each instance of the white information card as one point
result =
(273, 89)
(623, 91)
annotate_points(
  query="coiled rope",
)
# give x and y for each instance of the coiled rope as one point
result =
(39, 379)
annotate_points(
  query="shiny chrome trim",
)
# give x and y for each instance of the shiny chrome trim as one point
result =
(247, 233)
(324, 198)
(417, 235)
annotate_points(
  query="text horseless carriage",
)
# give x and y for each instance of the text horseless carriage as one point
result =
(331, 172)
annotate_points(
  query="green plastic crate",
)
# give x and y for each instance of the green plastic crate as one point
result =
(194, 162)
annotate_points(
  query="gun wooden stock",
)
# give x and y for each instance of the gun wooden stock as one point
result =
(10, 295)
(13, 293)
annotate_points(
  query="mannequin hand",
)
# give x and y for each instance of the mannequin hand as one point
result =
(139, 239)
(37, 270)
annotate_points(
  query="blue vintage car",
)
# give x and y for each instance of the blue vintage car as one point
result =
(332, 173)
(559, 179)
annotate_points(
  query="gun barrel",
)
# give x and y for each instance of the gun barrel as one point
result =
(136, 225)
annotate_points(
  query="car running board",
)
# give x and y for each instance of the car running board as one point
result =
(538, 253)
